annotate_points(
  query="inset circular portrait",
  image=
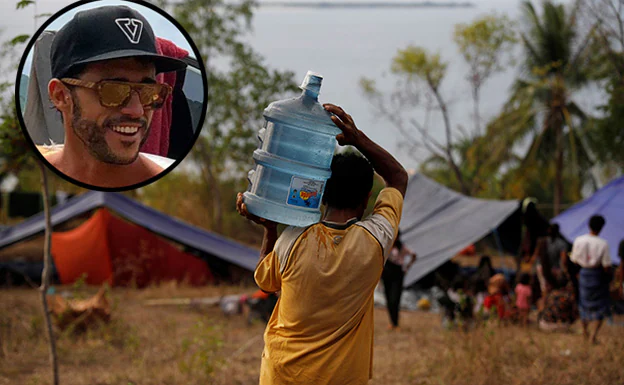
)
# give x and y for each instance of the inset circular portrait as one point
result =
(111, 94)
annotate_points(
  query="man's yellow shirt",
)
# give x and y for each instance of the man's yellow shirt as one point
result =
(321, 330)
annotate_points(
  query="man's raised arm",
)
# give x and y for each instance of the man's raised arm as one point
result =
(384, 164)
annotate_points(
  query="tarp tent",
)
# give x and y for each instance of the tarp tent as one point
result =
(608, 202)
(109, 249)
(437, 223)
(139, 224)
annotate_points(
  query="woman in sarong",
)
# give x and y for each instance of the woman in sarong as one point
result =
(591, 253)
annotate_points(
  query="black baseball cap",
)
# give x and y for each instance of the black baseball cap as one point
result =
(105, 33)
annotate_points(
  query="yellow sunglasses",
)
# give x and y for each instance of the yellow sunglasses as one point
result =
(117, 94)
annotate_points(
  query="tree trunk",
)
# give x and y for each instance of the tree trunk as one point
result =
(217, 207)
(45, 275)
(204, 155)
(558, 168)
(477, 115)
(449, 145)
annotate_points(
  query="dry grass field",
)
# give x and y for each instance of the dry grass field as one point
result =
(167, 345)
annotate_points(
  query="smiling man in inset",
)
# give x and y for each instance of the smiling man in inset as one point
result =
(104, 65)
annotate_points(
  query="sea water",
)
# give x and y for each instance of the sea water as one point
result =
(293, 160)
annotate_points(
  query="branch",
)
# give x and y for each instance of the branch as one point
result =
(620, 23)
(45, 275)
(611, 54)
(449, 144)
(463, 131)
(429, 141)
(582, 48)
(394, 115)
(618, 31)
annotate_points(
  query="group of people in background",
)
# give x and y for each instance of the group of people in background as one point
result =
(581, 284)
(565, 284)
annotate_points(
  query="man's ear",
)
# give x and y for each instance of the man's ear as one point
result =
(60, 95)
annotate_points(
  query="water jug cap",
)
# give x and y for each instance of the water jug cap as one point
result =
(312, 82)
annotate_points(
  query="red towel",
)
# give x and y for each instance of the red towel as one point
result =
(158, 141)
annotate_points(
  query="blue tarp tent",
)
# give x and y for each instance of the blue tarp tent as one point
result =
(133, 211)
(608, 202)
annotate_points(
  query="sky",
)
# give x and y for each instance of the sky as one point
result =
(15, 22)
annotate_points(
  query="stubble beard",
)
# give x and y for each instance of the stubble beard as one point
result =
(93, 136)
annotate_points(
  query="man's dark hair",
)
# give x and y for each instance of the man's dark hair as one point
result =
(350, 182)
(596, 223)
(553, 230)
(525, 279)
(75, 72)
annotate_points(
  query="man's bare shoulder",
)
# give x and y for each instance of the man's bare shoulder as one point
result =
(52, 154)
(150, 167)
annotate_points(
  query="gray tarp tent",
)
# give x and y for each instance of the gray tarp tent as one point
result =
(437, 223)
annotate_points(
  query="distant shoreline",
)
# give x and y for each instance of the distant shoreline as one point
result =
(321, 4)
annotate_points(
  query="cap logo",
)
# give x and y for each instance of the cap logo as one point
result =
(132, 28)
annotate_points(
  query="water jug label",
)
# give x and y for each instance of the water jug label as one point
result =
(305, 192)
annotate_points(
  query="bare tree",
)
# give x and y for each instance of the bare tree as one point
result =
(484, 44)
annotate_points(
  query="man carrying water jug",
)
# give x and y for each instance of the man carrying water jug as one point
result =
(321, 331)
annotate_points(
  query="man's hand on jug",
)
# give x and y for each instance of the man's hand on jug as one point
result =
(345, 122)
(242, 210)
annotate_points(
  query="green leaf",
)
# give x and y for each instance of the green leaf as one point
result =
(24, 4)
(19, 39)
(484, 43)
(417, 63)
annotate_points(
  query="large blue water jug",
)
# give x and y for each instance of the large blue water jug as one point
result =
(293, 160)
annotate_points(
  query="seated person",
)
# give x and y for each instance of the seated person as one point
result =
(497, 302)
(560, 307)
(458, 304)
(480, 293)
(617, 284)
(447, 310)
(259, 305)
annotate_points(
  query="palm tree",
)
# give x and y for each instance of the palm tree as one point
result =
(541, 107)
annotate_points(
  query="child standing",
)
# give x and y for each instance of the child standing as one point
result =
(523, 298)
